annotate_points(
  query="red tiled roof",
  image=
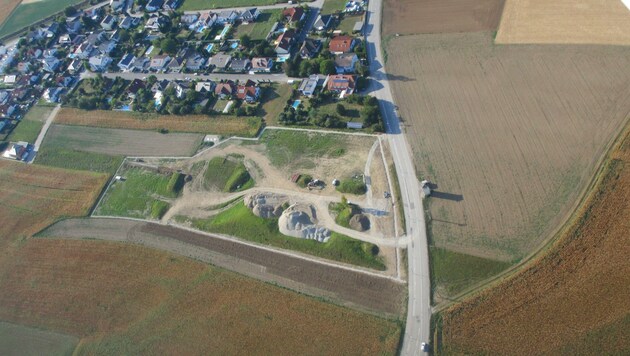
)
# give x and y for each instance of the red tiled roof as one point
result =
(341, 44)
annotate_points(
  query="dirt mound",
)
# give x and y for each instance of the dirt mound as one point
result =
(300, 220)
(360, 222)
(266, 205)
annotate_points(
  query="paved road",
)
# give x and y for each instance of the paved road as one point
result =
(181, 76)
(317, 4)
(419, 309)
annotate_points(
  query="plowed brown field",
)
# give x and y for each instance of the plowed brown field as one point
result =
(6, 7)
(510, 134)
(440, 16)
(124, 299)
(565, 21)
(574, 300)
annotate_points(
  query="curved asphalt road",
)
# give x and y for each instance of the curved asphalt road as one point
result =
(419, 308)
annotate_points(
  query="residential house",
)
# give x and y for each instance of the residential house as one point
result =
(250, 15)
(115, 36)
(10, 79)
(341, 44)
(176, 64)
(220, 61)
(84, 50)
(134, 87)
(153, 23)
(24, 67)
(322, 23)
(20, 93)
(154, 5)
(50, 52)
(227, 16)
(53, 95)
(65, 39)
(117, 5)
(99, 63)
(78, 39)
(50, 64)
(106, 47)
(310, 48)
(241, 65)
(172, 5)
(310, 85)
(181, 88)
(35, 35)
(346, 63)
(64, 81)
(126, 62)
(7, 110)
(75, 66)
(224, 90)
(52, 30)
(96, 37)
(129, 22)
(195, 61)
(284, 42)
(108, 22)
(4, 97)
(74, 26)
(19, 151)
(205, 21)
(249, 92)
(341, 83)
(189, 19)
(159, 62)
(293, 14)
(261, 64)
(141, 63)
(205, 87)
(160, 86)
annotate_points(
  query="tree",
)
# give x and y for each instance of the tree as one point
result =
(307, 68)
(246, 41)
(327, 66)
(168, 45)
(70, 11)
(164, 24)
(341, 110)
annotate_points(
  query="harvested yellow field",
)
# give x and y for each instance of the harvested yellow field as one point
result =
(565, 21)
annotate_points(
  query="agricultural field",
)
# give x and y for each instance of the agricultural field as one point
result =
(227, 126)
(120, 298)
(23, 340)
(510, 135)
(31, 124)
(574, 298)
(193, 5)
(121, 142)
(31, 11)
(565, 21)
(61, 157)
(142, 193)
(440, 16)
(6, 7)
(258, 30)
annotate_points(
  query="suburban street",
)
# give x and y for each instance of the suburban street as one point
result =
(419, 308)
(281, 77)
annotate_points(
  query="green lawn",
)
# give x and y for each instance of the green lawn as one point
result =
(453, 272)
(258, 30)
(26, 130)
(286, 147)
(191, 5)
(239, 221)
(273, 101)
(347, 24)
(332, 6)
(58, 156)
(26, 14)
(142, 194)
(227, 175)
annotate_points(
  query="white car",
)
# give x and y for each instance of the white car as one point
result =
(424, 347)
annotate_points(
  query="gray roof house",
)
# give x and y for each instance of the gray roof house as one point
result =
(176, 64)
(220, 60)
(227, 16)
(310, 85)
(99, 63)
(310, 48)
(108, 22)
(262, 64)
(250, 15)
(322, 23)
(195, 61)
(159, 62)
(241, 65)
(345, 63)
(126, 61)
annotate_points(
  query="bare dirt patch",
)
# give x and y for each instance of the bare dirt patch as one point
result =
(565, 21)
(572, 300)
(348, 287)
(440, 16)
(510, 134)
(122, 142)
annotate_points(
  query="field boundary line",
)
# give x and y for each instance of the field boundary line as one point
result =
(258, 246)
(554, 237)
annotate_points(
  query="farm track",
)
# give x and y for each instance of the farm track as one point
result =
(360, 290)
(509, 133)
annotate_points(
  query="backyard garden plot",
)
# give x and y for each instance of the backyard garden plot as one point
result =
(510, 134)
(121, 142)
(259, 29)
(193, 5)
(565, 21)
(440, 16)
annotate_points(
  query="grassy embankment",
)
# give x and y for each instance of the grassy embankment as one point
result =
(227, 175)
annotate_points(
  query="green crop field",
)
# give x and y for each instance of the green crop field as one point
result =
(23, 340)
(286, 147)
(239, 221)
(227, 175)
(191, 5)
(58, 156)
(142, 194)
(32, 11)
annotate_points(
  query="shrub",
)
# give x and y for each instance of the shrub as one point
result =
(352, 186)
(176, 183)
(237, 180)
(159, 208)
(303, 181)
